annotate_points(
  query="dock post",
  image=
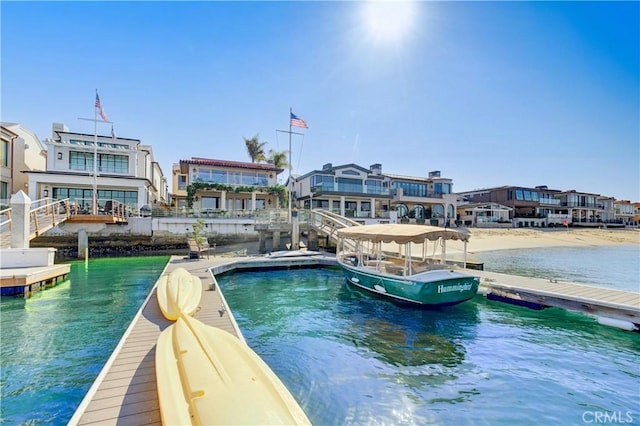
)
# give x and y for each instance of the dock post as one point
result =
(262, 243)
(83, 244)
(21, 224)
(276, 240)
(312, 240)
(295, 230)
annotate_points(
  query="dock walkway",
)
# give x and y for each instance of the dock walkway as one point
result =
(601, 302)
(125, 391)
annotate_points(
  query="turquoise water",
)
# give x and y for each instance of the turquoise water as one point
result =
(616, 267)
(350, 358)
(53, 345)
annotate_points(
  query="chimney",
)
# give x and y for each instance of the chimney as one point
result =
(376, 169)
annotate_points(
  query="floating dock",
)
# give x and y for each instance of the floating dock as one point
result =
(125, 393)
(25, 281)
(623, 307)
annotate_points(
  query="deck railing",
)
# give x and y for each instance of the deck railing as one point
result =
(47, 214)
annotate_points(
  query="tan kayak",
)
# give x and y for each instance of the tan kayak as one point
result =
(207, 376)
(179, 291)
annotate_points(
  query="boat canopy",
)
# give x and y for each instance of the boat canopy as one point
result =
(401, 233)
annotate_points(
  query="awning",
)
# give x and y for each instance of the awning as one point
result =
(401, 233)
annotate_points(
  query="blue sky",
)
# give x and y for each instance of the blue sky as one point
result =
(490, 93)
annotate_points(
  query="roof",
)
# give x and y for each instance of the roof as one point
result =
(401, 233)
(233, 164)
(415, 178)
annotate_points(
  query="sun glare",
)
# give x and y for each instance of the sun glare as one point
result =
(388, 21)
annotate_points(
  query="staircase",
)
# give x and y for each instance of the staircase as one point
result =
(328, 223)
(44, 215)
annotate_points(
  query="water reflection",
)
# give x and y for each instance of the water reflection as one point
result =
(406, 336)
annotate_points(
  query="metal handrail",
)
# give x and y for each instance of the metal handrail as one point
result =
(57, 211)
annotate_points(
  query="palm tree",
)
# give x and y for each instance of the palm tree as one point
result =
(278, 158)
(255, 148)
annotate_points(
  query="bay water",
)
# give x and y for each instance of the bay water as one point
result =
(351, 358)
(54, 344)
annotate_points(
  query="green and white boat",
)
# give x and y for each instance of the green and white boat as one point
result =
(378, 258)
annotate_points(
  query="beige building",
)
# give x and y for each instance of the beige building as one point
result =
(221, 185)
(21, 152)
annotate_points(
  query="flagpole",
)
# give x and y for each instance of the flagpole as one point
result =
(290, 182)
(95, 159)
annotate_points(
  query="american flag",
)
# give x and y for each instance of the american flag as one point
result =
(297, 121)
(100, 110)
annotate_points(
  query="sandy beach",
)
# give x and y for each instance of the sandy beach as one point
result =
(518, 238)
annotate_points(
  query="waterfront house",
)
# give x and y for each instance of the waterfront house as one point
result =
(349, 190)
(484, 215)
(367, 193)
(224, 186)
(126, 171)
(624, 212)
(586, 209)
(21, 151)
(541, 206)
(537, 206)
(429, 199)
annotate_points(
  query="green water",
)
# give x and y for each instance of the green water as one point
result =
(350, 358)
(53, 345)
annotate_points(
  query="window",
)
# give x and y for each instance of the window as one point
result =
(210, 202)
(110, 163)
(4, 191)
(412, 189)
(107, 163)
(350, 172)
(527, 195)
(84, 196)
(4, 154)
(322, 182)
(234, 178)
(182, 182)
(349, 185)
(218, 176)
(80, 160)
(519, 195)
(376, 186)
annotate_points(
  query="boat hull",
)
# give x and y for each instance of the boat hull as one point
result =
(430, 289)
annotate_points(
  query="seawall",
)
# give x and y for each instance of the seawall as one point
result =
(147, 236)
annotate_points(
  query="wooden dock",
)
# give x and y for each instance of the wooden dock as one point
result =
(537, 292)
(25, 281)
(125, 392)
